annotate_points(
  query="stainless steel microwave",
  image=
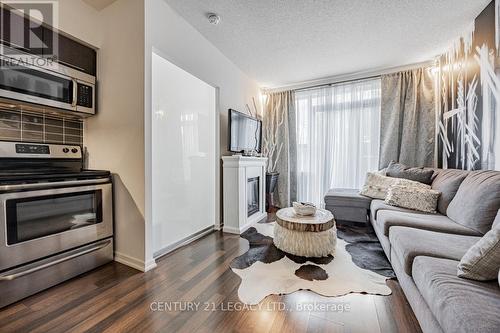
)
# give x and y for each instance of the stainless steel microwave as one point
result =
(41, 81)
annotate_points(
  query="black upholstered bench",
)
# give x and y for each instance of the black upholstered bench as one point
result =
(347, 205)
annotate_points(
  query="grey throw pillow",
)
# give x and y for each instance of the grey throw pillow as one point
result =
(496, 223)
(482, 261)
(421, 175)
(477, 201)
(447, 182)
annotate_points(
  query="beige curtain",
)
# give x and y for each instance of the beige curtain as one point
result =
(279, 143)
(408, 120)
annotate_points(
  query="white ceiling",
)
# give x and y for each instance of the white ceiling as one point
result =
(280, 42)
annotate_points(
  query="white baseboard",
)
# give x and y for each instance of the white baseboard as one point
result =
(134, 262)
(242, 229)
(257, 217)
(150, 264)
(184, 241)
(231, 230)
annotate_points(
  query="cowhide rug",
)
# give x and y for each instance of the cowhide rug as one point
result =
(265, 270)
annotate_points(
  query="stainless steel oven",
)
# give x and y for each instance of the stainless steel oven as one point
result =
(56, 219)
(38, 222)
(40, 81)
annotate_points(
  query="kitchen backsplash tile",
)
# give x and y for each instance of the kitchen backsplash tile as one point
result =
(10, 116)
(54, 122)
(53, 138)
(32, 136)
(39, 128)
(10, 134)
(10, 124)
(32, 127)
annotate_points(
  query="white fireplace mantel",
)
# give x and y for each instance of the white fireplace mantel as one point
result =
(237, 170)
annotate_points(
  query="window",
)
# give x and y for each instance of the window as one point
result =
(338, 129)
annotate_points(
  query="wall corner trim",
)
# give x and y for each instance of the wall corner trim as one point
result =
(134, 262)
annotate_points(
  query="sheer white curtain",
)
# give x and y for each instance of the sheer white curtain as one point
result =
(337, 130)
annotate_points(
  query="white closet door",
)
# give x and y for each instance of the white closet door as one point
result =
(183, 154)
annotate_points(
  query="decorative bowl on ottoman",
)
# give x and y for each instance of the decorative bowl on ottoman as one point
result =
(304, 208)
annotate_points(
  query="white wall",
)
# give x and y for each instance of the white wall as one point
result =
(185, 47)
(184, 153)
(119, 137)
(80, 20)
(115, 136)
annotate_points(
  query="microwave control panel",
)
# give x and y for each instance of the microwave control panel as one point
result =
(84, 95)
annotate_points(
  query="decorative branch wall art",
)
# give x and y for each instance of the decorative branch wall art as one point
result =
(468, 91)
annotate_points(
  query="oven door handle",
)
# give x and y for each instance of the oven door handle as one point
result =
(14, 276)
(52, 184)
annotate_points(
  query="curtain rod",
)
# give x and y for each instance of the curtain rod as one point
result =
(347, 78)
(337, 82)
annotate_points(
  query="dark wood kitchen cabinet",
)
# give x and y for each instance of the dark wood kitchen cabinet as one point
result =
(23, 34)
(74, 54)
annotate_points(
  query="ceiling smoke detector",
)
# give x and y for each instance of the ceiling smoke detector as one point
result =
(213, 18)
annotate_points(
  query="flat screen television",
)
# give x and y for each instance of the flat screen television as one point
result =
(245, 132)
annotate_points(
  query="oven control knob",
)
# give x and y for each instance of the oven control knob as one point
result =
(74, 150)
(65, 150)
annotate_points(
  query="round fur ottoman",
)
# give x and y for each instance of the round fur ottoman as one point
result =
(306, 236)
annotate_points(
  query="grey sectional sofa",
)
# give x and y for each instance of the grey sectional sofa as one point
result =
(425, 249)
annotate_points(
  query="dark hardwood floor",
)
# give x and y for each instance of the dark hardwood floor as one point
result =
(115, 298)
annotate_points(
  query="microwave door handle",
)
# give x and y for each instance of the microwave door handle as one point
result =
(75, 93)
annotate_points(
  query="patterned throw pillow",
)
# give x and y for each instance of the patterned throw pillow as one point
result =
(482, 261)
(376, 185)
(416, 198)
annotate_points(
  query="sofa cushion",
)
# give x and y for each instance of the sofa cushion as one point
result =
(482, 261)
(383, 239)
(409, 243)
(346, 197)
(425, 317)
(477, 201)
(424, 200)
(447, 182)
(459, 305)
(379, 205)
(399, 170)
(432, 222)
(376, 186)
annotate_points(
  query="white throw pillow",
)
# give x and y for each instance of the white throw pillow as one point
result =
(411, 197)
(376, 186)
